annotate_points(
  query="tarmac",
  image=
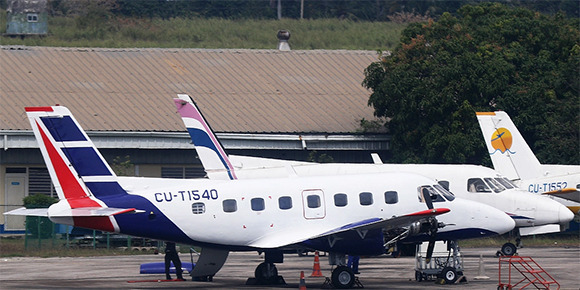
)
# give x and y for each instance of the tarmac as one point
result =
(384, 272)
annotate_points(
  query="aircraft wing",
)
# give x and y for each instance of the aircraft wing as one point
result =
(292, 237)
(567, 193)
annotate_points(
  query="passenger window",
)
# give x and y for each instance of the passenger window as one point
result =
(340, 199)
(285, 202)
(257, 204)
(313, 201)
(198, 208)
(365, 198)
(391, 197)
(230, 205)
(477, 185)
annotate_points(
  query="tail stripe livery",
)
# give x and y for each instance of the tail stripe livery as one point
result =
(88, 189)
(69, 188)
(209, 149)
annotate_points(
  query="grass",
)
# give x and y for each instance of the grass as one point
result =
(212, 33)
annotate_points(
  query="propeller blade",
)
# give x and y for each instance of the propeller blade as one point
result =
(427, 197)
(430, 248)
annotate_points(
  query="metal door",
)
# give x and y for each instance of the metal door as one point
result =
(313, 204)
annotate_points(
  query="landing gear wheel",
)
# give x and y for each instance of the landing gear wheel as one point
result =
(342, 277)
(449, 275)
(266, 272)
(508, 249)
(418, 276)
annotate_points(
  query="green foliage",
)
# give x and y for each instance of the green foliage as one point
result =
(123, 166)
(38, 201)
(490, 57)
(117, 32)
(38, 227)
(315, 156)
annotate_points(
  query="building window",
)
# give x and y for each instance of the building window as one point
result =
(230, 205)
(258, 204)
(198, 208)
(391, 197)
(32, 17)
(39, 182)
(366, 198)
(313, 201)
(182, 172)
(285, 202)
(340, 199)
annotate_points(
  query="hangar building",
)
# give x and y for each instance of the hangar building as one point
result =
(279, 104)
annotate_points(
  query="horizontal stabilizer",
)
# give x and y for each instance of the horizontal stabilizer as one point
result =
(566, 193)
(77, 212)
(94, 212)
(28, 212)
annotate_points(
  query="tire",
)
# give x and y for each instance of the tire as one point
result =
(342, 277)
(418, 276)
(449, 275)
(508, 249)
(266, 272)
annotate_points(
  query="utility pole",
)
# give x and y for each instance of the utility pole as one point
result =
(279, 9)
(301, 9)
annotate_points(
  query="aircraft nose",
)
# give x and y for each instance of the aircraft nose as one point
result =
(565, 215)
(503, 223)
(552, 212)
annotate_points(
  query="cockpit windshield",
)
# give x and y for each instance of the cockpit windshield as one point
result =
(477, 185)
(505, 182)
(435, 196)
(494, 185)
(446, 193)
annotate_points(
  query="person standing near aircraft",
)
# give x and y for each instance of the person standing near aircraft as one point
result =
(172, 256)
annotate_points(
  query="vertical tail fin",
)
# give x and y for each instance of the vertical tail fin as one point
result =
(509, 152)
(79, 173)
(210, 151)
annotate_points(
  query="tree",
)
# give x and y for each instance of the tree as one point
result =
(490, 57)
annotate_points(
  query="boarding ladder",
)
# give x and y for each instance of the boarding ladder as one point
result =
(533, 274)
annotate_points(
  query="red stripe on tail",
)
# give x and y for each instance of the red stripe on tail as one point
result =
(73, 191)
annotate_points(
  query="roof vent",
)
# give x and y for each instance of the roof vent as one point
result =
(283, 36)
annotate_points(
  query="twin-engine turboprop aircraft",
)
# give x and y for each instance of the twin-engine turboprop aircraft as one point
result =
(354, 214)
(532, 214)
(512, 157)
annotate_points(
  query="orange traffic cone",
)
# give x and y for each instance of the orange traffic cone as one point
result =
(316, 268)
(302, 285)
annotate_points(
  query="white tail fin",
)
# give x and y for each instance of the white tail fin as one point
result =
(81, 176)
(509, 152)
(210, 151)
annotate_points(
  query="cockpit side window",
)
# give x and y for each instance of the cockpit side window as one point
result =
(477, 185)
(494, 185)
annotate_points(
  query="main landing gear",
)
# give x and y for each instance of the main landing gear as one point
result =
(266, 273)
(342, 277)
(509, 249)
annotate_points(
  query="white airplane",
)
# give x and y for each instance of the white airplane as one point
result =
(348, 214)
(532, 214)
(512, 157)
